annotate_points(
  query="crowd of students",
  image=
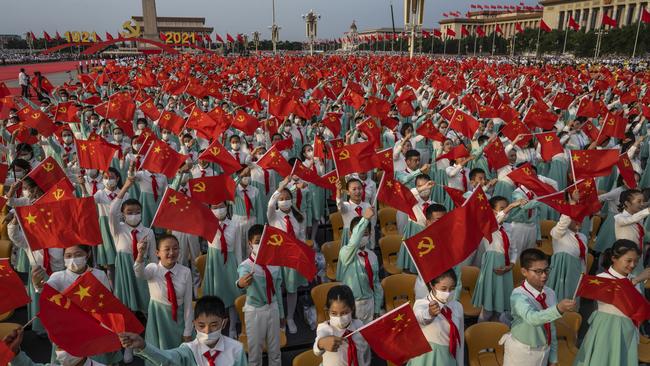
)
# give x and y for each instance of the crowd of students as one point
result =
(153, 271)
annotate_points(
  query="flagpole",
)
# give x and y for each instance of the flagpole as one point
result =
(573, 171)
(444, 48)
(638, 27)
(514, 40)
(376, 320)
(475, 38)
(566, 34)
(539, 31)
(459, 44)
(30, 321)
(494, 37)
(576, 290)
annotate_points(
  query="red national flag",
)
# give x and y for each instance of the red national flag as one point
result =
(498, 29)
(217, 153)
(486, 111)
(272, 159)
(285, 144)
(464, 124)
(333, 122)
(384, 160)
(161, 158)
(480, 31)
(626, 170)
(4, 92)
(203, 123)
(47, 36)
(109, 37)
(459, 151)
(354, 158)
(355, 99)
(97, 300)
(308, 175)
(207, 37)
(37, 120)
(245, 122)
(479, 209)
(116, 108)
(185, 214)
(58, 36)
(456, 195)
(613, 126)
(372, 130)
(444, 243)
(73, 329)
(95, 154)
(66, 112)
(279, 248)
(607, 20)
(450, 32)
(60, 224)
(464, 31)
(562, 101)
(518, 28)
(4, 170)
(279, 106)
(405, 108)
(62, 190)
(428, 130)
(392, 193)
(645, 16)
(149, 109)
(515, 128)
(437, 33)
(526, 176)
(573, 24)
(593, 163)
(588, 108)
(47, 173)
(543, 26)
(12, 288)
(539, 116)
(588, 203)
(495, 154)
(620, 293)
(171, 121)
(219, 39)
(229, 38)
(396, 336)
(213, 190)
(550, 145)
(319, 147)
(6, 354)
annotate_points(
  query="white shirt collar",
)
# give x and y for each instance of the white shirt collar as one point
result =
(220, 346)
(614, 273)
(532, 289)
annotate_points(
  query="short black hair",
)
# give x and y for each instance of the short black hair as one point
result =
(496, 199)
(411, 153)
(422, 176)
(354, 223)
(254, 230)
(129, 202)
(474, 172)
(450, 273)
(210, 305)
(434, 207)
(164, 237)
(530, 255)
(619, 249)
(341, 293)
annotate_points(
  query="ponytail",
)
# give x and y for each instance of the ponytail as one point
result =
(619, 249)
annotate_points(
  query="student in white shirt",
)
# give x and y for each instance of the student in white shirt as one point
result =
(209, 348)
(331, 342)
(629, 224)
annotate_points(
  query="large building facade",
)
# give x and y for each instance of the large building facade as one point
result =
(488, 20)
(589, 13)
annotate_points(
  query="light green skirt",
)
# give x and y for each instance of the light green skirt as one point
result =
(106, 251)
(133, 292)
(439, 356)
(493, 291)
(219, 279)
(610, 340)
(162, 331)
(564, 276)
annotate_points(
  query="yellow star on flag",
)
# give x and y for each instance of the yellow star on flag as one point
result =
(31, 219)
(595, 282)
(173, 200)
(83, 292)
(398, 318)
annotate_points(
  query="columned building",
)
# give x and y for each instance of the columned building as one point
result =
(489, 20)
(589, 13)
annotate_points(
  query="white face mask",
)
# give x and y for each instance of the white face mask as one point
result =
(67, 139)
(284, 205)
(246, 180)
(254, 249)
(109, 183)
(442, 296)
(235, 147)
(208, 339)
(220, 212)
(76, 263)
(425, 193)
(118, 138)
(27, 193)
(19, 174)
(133, 220)
(341, 322)
(141, 127)
(364, 241)
(309, 154)
(66, 359)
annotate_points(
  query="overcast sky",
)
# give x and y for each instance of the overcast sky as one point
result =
(233, 16)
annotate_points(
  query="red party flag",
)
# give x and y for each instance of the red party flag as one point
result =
(213, 190)
(95, 154)
(526, 176)
(46, 85)
(12, 288)
(333, 122)
(4, 170)
(444, 243)
(543, 26)
(185, 214)
(149, 109)
(428, 130)
(377, 107)
(97, 300)
(464, 124)
(573, 24)
(60, 224)
(394, 194)
(272, 159)
(459, 151)
(613, 126)
(498, 29)
(396, 336)
(245, 122)
(37, 120)
(217, 153)
(161, 158)
(62, 190)
(495, 154)
(620, 293)
(354, 158)
(562, 101)
(66, 112)
(372, 130)
(626, 170)
(451, 32)
(593, 163)
(645, 16)
(589, 130)
(73, 329)
(308, 175)
(279, 248)
(550, 145)
(171, 121)
(47, 173)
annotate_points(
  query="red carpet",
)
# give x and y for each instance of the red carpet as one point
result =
(10, 72)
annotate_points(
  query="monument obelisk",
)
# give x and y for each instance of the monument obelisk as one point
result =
(150, 20)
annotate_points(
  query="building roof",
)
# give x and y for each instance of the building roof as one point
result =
(506, 17)
(139, 18)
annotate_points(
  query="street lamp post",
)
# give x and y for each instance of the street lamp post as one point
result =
(413, 17)
(256, 39)
(275, 31)
(311, 28)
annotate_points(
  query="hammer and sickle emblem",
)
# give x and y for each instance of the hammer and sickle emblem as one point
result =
(241, 118)
(548, 138)
(611, 122)
(48, 167)
(199, 187)
(58, 194)
(626, 163)
(57, 300)
(332, 179)
(459, 118)
(36, 115)
(167, 117)
(132, 29)
(276, 240)
(527, 170)
(215, 151)
(344, 154)
(427, 244)
(63, 109)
